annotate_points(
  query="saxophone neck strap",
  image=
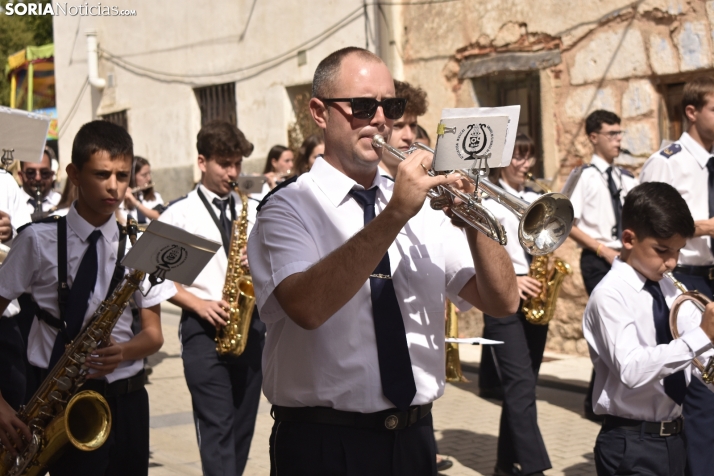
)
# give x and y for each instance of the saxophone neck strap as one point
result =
(224, 237)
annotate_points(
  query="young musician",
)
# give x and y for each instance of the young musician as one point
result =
(641, 373)
(311, 147)
(278, 165)
(141, 201)
(518, 359)
(350, 276)
(101, 166)
(40, 176)
(225, 390)
(688, 165)
(597, 226)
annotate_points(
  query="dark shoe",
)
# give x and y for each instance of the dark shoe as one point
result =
(444, 464)
(513, 471)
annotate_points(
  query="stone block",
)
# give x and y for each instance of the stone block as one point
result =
(584, 100)
(614, 54)
(640, 138)
(509, 33)
(693, 45)
(663, 57)
(638, 99)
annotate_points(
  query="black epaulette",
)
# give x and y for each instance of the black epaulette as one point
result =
(273, 191)
(388, 177)
(161, 208)
(175, 201)
(626, 172)
(49, 219)
(670, 150)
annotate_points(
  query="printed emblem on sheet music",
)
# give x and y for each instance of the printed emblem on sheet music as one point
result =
(169, 257)
(475, 141)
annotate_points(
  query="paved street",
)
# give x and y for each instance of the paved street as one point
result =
(466, 425)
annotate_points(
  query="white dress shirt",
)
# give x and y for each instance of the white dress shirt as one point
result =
(336, 365)
(48, 202)
(592, 202)
(191, 215)
(629, 365)
(147, 203)
(683, 164)
(510, 223)
(31, 266)
(11, 202)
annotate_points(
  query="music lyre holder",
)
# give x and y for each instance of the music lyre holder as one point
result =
(7, 159)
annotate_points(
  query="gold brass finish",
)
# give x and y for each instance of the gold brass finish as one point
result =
(238, 291)
(453, 362)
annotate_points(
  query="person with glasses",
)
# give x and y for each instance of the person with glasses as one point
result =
(688, 165)
(39, 177)
(514, 365)
(597, 203)
(350, 271)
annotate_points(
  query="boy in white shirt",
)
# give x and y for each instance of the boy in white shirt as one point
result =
(641, 372)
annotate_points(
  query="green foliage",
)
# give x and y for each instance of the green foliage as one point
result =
(16, 33)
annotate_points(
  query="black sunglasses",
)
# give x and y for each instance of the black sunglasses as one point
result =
(366, 108)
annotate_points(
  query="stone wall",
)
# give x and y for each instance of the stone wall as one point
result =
(615, 55)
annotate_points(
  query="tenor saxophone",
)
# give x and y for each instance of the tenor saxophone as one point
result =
(57, 413)
(232, 338)
(540, 309)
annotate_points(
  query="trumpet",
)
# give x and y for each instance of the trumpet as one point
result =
(700, 301)
(543, 225)
(141, 188)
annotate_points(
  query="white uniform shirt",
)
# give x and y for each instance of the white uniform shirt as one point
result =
(147, 203)
(510, 224)
(191, 215)
(592, 202)
(629, 365)
(48, 202)
(31, 266)
(11, 201)
(683, 164)
(336, 365)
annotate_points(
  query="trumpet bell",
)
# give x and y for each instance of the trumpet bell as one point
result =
(546, 224)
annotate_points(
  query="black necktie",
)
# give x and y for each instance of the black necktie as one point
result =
(710, 168)
(616, 204)
(395, 365)
(223, 219)
(675, 385)
(78, 299)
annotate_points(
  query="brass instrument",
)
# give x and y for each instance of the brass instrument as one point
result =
(543, 225)
(700, 301)
(57, 413)
(238, 291)
(453, 362)
(4, 250)
(141, 188)
(38, 214)
(540, 309)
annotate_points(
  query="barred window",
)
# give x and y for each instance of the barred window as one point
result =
(217, 102)
(118, 118)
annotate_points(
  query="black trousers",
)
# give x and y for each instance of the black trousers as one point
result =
(698, 417)
(225, 393)
(125, 452)
(12, 362)
(518, 361)
(619, 451)
(312, 449)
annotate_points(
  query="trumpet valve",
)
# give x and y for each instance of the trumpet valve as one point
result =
(440, 200)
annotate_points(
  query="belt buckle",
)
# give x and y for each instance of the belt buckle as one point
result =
(663, 431)
(391, 422)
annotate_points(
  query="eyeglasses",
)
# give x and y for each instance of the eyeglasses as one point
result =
(612, 134)
(529, 160)
(366, 108)
(32, 173)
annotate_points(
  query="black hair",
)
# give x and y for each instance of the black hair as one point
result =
(99, 136)
(596, 119)
(222, 139)
(657, 210)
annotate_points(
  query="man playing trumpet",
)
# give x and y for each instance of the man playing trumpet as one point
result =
(354, 300)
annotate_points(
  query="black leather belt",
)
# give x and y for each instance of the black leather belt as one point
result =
(703, 271)
(384, 420)
(661, 428)
(119, 387)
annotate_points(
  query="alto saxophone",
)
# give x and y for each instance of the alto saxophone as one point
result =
(540, 309)
(232, 338)
(57, 413)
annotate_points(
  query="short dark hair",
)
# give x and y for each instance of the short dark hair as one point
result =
(222, 139)
(596, 119)
(275, 152)
(328, 70)
(99, 136)
(524, 146)
(417, 103)
(656, 209)
(696, 91)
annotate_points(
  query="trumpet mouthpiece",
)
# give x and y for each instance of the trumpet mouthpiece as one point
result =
(378, 141)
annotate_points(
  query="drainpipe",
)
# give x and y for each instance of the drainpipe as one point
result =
(92, 61)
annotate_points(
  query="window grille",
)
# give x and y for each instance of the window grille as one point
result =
(217, 102)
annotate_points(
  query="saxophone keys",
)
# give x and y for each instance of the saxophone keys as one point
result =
(64, 384)
(71, 371)
(55, 396)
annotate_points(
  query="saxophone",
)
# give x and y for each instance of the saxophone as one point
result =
(540, 309)
(238, 292)
(57, 413)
